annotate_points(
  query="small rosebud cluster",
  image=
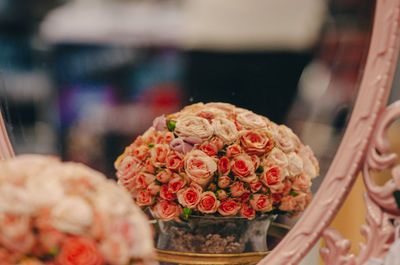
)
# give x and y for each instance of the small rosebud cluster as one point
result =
(217, 159)
(67, 213)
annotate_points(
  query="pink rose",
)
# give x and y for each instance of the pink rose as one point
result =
(224, 165)
(199, 167)
(247, 212)
(255, 186)
(164, 176)
(166, 210)
(242, 166)
(256, 161)
(261, 202)
(208, 202)
(222, 195)
(229, 207)
(233, 150)
(141, 152)
(80, 251)
(189, 197)
(285, 139)
(301, 182)
(224, 182)
(159, 154)
(127, 167)
(144, 198)
(143, 180)
(115, 250)
(302, 200)
(176, 184)
(208, 148)
(237, 189)
(295, 165)
(167, 193)
(305, 151)
(251, 120)
(174, 161)
(160, 123)
(150, 136)
(18, 235)
(288, 203)
(276, 158)
(256, 142)
(153, 188)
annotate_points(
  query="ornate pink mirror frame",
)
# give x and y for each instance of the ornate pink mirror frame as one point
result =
(362, 150)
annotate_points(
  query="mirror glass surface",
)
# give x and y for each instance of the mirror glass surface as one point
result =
(82, 79)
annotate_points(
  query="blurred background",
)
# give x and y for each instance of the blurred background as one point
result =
(82, 79)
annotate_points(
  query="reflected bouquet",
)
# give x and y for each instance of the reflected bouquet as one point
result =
(217, 159)
(67, 214)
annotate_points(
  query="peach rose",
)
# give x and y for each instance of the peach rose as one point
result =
(288, 203)
(193, 126)
(115, 250)
(237, 189)
(80, 251)
(222, 195)
(224, 182)
(141, 152)
(255, 186)
(217, 142)
(176, 184)
(309, 169)
(247, 212)
(208, 202)
(143, 180)
(242, 166)
(16, 233)
(153, 188)
(272, 176)
(164, 176)
(250, 120)
(167, 193)
(301, 182)
(189, 197)
(224, 165)
(149, 167)
(302, 200)
(174, 161)
(127, 167)
(159, 154)
(167, 210)
(208, 148)
(256, 142)
(144, 198)
(229, 207)
(261, 202)
(199, 167)
(233, 150)
(305, 151)
(225, 129)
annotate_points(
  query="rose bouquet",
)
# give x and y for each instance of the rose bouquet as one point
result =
(67, 214)
(220, 160)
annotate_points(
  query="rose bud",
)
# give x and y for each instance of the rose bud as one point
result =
(224, 182)
(247, 212)
(237, 189)
(233, 150)
(222, 195)
(224, 165)
(166, 193)
(164, 176)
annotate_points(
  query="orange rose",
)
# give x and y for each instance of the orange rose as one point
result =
(79, 251)
(256, 142)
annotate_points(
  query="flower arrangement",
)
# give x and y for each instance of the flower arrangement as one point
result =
(217, 159)
(67, 214)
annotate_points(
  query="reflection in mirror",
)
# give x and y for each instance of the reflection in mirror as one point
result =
(82, 79)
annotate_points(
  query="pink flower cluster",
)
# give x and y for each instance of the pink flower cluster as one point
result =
(217, 159)
(67, 214)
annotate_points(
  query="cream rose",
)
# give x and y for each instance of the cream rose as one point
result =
(295, 164)
(199, 167)
(194, 126)
(250, 120)
(72, 215)
(285, 139)
(276, 157)
(225, 129)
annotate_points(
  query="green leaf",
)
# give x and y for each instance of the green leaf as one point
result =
(259, 170)
(53, 251)
(151, 145)
(186, 213)
(171, 125)
(396, 195)
(221, 152)
(294, 194)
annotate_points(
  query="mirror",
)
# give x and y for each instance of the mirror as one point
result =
(82, 79)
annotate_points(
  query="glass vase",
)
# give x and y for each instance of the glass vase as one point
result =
(215, 235)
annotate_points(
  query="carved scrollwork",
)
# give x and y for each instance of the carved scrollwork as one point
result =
(377, 160)
(378, 233)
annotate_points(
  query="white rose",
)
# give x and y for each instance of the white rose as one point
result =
(250, 120)
(225, 129)
(44, 191)
(72, 215)
(295, 164)
(194, 126)
(15, 200)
